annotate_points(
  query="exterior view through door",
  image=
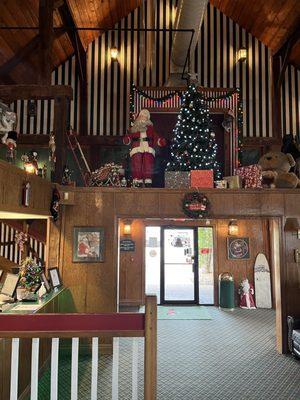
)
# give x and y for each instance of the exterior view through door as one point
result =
(180, 264)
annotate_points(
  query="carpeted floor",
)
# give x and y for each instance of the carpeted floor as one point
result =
(180, 312)
(231, 357)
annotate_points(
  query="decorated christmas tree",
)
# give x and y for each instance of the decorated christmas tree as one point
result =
(194, 146)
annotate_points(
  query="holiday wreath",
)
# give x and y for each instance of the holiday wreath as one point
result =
(195, 205)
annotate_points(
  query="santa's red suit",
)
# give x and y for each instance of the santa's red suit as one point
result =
(246, 292)
(142, 139)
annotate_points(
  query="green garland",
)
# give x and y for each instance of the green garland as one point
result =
(178, 93)
(174, 93)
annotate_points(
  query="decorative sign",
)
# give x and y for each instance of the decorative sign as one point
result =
(195, 205)
(127, 245)
(238, 248)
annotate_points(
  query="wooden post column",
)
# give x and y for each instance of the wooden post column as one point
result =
(150, 362)
(276, 104)
(61, 122)
(46, 40)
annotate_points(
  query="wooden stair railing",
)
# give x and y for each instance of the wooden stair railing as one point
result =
(75, 326)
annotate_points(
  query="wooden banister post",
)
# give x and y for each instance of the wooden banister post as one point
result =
(150, 362)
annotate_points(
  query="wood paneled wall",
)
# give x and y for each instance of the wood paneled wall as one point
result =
(257, 232)
(215, 62)
(132, 264)
(95, 286)
(11, 183)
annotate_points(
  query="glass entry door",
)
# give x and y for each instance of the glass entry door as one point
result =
(179, 277)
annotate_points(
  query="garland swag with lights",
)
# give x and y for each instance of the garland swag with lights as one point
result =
(194, 146)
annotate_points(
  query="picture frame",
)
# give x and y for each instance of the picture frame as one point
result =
(10, 284)
(238, 248)
(88, 244)
(46, 283)
(54, 277)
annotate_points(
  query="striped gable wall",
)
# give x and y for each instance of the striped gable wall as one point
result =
(215, 62)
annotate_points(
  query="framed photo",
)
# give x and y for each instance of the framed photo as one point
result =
(54, 277)
(46, 283)
(88, 244)
(10, 284)
(238, 248)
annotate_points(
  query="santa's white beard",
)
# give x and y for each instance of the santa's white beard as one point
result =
(140, 126)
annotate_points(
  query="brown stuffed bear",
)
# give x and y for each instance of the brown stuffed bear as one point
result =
(275, 170)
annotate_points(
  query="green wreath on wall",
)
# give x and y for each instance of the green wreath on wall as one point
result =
(195, 205)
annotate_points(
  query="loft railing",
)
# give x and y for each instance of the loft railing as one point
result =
(76, 326)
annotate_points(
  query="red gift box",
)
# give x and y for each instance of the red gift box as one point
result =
(202, 178)
(251, 176)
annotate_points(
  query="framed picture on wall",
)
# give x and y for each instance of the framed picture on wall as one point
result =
(88, 244)
(238, 248)
(54, 277)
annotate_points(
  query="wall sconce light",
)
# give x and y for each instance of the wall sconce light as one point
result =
(242, 54)
(29, 168)
(233, 229)
(292, 225)
(127, 228)
(114, 53)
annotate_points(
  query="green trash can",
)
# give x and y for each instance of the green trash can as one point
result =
(226, 291)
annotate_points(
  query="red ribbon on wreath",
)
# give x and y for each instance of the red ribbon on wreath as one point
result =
(195, 205)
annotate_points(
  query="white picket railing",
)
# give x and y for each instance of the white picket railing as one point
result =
(83, 326)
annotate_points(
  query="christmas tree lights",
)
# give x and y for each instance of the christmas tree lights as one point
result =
(194, 146)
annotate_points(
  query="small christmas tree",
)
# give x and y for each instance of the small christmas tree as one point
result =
(193, 145)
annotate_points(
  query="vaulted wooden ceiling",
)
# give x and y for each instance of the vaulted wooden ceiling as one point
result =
(270, 21)
(86, 13)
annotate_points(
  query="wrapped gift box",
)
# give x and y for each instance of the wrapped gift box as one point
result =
(251, 176)
(221, 184)
(202, 178)
(234, 182)
(177, 179)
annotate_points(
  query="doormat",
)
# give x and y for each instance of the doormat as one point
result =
(179, 312)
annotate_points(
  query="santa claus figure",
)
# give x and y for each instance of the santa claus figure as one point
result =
(142, 139)
(246, 293)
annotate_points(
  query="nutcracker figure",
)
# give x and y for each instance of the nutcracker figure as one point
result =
(10, 140)
(142, 139)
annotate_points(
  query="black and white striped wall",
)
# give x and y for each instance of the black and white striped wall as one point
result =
(215, 62)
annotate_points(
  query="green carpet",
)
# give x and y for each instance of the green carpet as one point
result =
(179, 312)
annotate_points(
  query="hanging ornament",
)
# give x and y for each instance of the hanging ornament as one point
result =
(20, 239)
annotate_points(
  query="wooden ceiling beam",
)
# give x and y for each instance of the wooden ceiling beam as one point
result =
(38, 92)
(285, 52)
(24, 52)
(81, 60)
(21, 55)
(46, 8)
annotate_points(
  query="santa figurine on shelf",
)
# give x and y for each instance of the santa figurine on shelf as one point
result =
(142, 139)
(246, 293)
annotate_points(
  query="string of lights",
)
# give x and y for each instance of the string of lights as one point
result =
(193, 146)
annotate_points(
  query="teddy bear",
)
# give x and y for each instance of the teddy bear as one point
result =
(275, 170)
